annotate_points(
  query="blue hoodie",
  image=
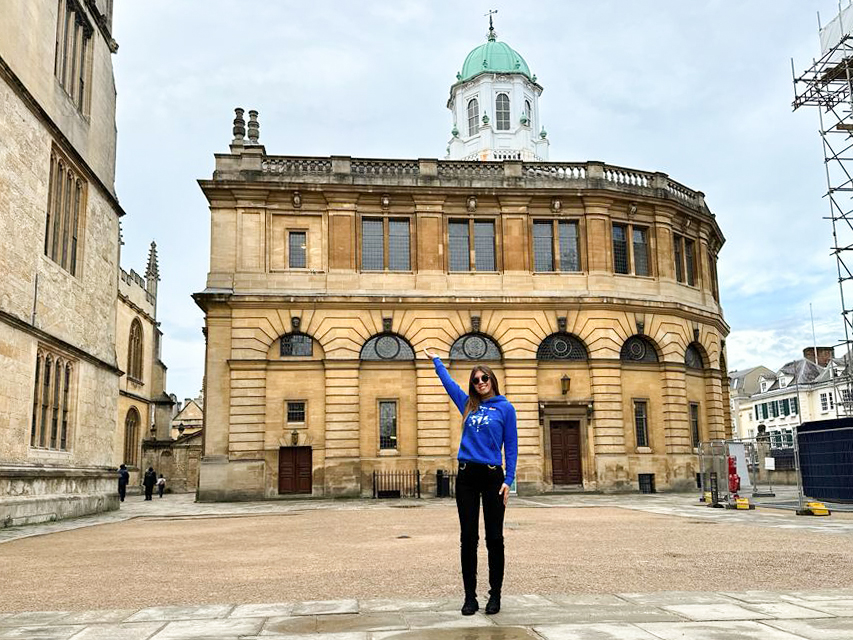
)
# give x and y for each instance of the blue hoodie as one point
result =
(486, 430)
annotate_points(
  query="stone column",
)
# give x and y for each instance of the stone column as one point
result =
(675, 422)
(522, 390)
(343, 468)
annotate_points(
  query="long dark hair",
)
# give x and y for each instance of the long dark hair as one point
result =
(473, 397)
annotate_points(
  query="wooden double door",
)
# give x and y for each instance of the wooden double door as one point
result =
(566, 451)
(294, 470)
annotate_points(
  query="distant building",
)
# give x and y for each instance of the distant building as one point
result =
(189, 419)
(744, 384)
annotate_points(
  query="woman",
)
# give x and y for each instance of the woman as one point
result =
(488, 424)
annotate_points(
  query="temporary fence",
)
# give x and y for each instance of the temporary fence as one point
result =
(736, 468)
(824, 451)
(397, 484)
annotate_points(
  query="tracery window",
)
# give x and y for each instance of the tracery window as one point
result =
(502, 112)
(131, 437)
(52, 397)
(297, 344)
(72, 60)
(65, 207)
(134, 351)
(475, 346)
(387, 346)
(638, 349)
(473, 116)
(561, 346)
(693, 358)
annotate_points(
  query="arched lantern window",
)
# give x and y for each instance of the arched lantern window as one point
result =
(475, 346)
(561, 346)
(638, 349)
(387, 347)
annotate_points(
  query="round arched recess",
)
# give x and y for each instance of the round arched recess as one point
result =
(694, 358)
(475, 346)
(562, 346)
(639, 349)
(386, 347)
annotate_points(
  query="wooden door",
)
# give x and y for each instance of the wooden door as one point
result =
(294, 470)
(566, 451)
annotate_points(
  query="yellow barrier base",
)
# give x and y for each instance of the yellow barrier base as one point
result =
(814, 509)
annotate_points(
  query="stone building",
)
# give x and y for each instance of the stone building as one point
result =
(189, 419)
(59, 252)
(144, 408)
(590, 289)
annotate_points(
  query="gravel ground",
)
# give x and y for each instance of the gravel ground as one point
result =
(404, 553)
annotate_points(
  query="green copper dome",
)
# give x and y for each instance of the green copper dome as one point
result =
(493, 57)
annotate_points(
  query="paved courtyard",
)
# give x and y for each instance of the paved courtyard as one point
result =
(579, 566)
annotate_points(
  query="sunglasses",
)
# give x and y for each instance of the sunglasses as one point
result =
(484, 378)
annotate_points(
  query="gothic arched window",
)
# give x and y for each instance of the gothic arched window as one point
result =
(561, 346)
(502, 112)
(693, 358)
(638, 349)
(387, 346)
(475, 346)
(297, 344)
(131, 436)
(473, 116)
(134, 350)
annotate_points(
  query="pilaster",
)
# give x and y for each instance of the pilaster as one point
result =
(433, 413)
(608, 420)
(675, 421)
(521, 389)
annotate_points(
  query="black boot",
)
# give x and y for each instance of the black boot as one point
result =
(471, 606)
(494, 605)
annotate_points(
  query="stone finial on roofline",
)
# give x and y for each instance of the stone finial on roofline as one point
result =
(254, 127)
(239, 126)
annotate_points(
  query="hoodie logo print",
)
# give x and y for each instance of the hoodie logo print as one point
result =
(479, 419)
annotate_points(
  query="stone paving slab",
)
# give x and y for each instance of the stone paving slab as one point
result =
(33, 618)
(786, 610)
(589, 599)
(841, 608)
(321, 607)
(677, 597)
(714, 611)
(733, 630)
(606, 631)
(209, 629)
(202, 612)
(825, 629)
(387, 604)
(124, 631)
(262, 610)
(61, 632)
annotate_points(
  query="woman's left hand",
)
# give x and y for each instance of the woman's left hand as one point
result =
(504, 492)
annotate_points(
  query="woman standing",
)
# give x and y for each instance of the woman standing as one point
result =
(488, 424)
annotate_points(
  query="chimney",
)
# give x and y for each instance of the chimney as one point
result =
(824, 355)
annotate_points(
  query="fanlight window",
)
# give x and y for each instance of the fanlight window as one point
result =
(561, 346)
(475, 346)
(638, 349)
(692, 358)
(297, 344)
(387, 346)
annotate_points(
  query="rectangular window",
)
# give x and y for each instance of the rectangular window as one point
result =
(774, 409)
(388, 424)
(64, 213)
(831, 396)
(372, 245)
(72, 54)
(641, 252)
(690, 261)
(795, 406)
(295, 412)
(824, 402)
(620, 248)
(297, 255)
(785, 408)
(641, 423)
(543, 245)
(694, 423)
(484, 246)
(678, 249)
(398, 245)
(460, 250)
(569, 247)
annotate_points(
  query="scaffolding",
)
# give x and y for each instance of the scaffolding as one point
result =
(828, 85)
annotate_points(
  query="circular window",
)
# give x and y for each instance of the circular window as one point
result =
(562, 348)
(474, 347)
(637, 350)
(388, 347)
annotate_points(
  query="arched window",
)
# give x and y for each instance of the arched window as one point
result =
(475, 346)
(134, 350)
(387, 346)
(297, 344)
(131, 437)
(502, 112)
(473, 116)
(528, 113)
(561, 346)
(638, 349)
(693, 358)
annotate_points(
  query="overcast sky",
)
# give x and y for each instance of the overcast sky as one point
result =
(700, 90)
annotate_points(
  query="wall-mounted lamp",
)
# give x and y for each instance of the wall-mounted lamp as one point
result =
(565, 382)
(294, 437)
(589, 410)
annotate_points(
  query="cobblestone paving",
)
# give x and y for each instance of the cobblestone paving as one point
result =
(765, 615)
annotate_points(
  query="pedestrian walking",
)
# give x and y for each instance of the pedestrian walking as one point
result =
(148, 481)
(123, 479)
(161, 485)
(488, 425)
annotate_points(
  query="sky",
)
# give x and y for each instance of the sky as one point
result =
(700, 90)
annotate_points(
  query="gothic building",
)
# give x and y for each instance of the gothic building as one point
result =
(59, 256)
(590, 289)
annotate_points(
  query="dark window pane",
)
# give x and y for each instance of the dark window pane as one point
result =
(460, 256)
(387, 425)
(484, 246)
(679, 258)
(473, 116)
(297, 344)
(638, 349)
(641, 425)
(689, 253)
(694, 423)
(398, 245)
(569, 247)
(387, 346)
(641, 252)
(502, 112)
(297, 248)
(372, 257)
(475, 346)
(692, 358)
(561, 346)
(296, 412)
(620, 249)
(543, 246)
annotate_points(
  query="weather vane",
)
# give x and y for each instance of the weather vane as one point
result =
(491, 26)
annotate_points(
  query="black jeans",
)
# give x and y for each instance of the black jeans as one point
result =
(474, 481)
